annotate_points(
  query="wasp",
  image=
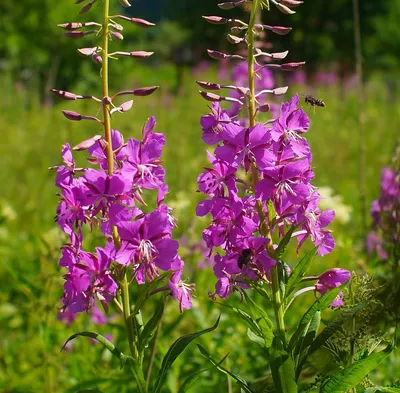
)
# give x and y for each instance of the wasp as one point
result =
(308, 99)
(244, 258)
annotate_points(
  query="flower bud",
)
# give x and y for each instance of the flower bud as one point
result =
(79, 34)
(281, 30)
(234, 40)
(264, 108)
(116, 36)
(210, 96)
(64, 94)
(209, 85)
(136, 21)
(216, 20)
(145, 91)
(87, 7)
(125, 3)
(292, 66)
(78, 1)
(122, 108)
(97, 58)
(71, 26)
(280, 90)
(70, 115)
(117, 26)
(87, 143)
(291, 3)
(217, 55)
(88, 51)
(284, 9)
(106, 100)
(230, 4)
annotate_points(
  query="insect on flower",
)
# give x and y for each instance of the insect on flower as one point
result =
(308, 99)
(244, 257)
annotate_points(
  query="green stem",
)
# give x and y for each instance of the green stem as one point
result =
(123, 284)
(264, 230)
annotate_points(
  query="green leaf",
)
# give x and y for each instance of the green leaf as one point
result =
(320, 304)
(305, 341)
(174, 351)
(333, 327)
(262, 319)
(102, 340)
(133, 365)
(146, 292)
(240, 381)
(299, 271)
(282, 369)
(354, 374)
(151, 326)
(255, 338)
(137, 373)
(251, 322)
(190, 380)
(283, 243)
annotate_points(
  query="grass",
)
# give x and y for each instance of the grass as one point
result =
(32, 136)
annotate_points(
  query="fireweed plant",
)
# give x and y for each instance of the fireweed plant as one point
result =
(260, 197)
(137, 248)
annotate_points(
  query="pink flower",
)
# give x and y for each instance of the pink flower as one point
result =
(331, 279)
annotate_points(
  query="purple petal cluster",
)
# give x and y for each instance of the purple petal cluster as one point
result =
(92, 197)
(280, 157)
(385, 212)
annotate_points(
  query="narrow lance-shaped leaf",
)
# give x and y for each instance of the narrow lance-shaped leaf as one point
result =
(282, 369)
(191, 379)
(151, 326)
(174, 351)
(319, 305)
(299, 272)
(354, 374)
(240, 381)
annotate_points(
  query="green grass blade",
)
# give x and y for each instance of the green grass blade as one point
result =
(174, 351)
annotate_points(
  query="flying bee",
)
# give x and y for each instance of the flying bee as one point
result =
(308, 99)
(244, 258)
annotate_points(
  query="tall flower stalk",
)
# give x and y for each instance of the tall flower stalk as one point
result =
(137, 247)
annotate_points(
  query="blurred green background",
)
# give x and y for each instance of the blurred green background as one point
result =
(35, 56)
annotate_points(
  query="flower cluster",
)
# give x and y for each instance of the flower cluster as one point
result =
(280, 158)
(385, 211)
(92, 197)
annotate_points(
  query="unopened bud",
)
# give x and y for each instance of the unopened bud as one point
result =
(210, 96)
(79, 34)
(87, 143)
(291, 3)
(79, 1)
(145, 91)
(88, 51)
(217, 55)
(71, 26)
(264, 108)
(230, 4)
(280, 90)
(116, 36)
(234, 40)
(97, 58)
(209, 85)
(136, 21)
(64, 94)
(279, 55)
(280, 30)
(70, 115)
(258, 28)
(284, 9)
(122, 108)
(117, 26)
(125, 3)
(87, 7)
(292, 66)
(216, 20)
(106, 100)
